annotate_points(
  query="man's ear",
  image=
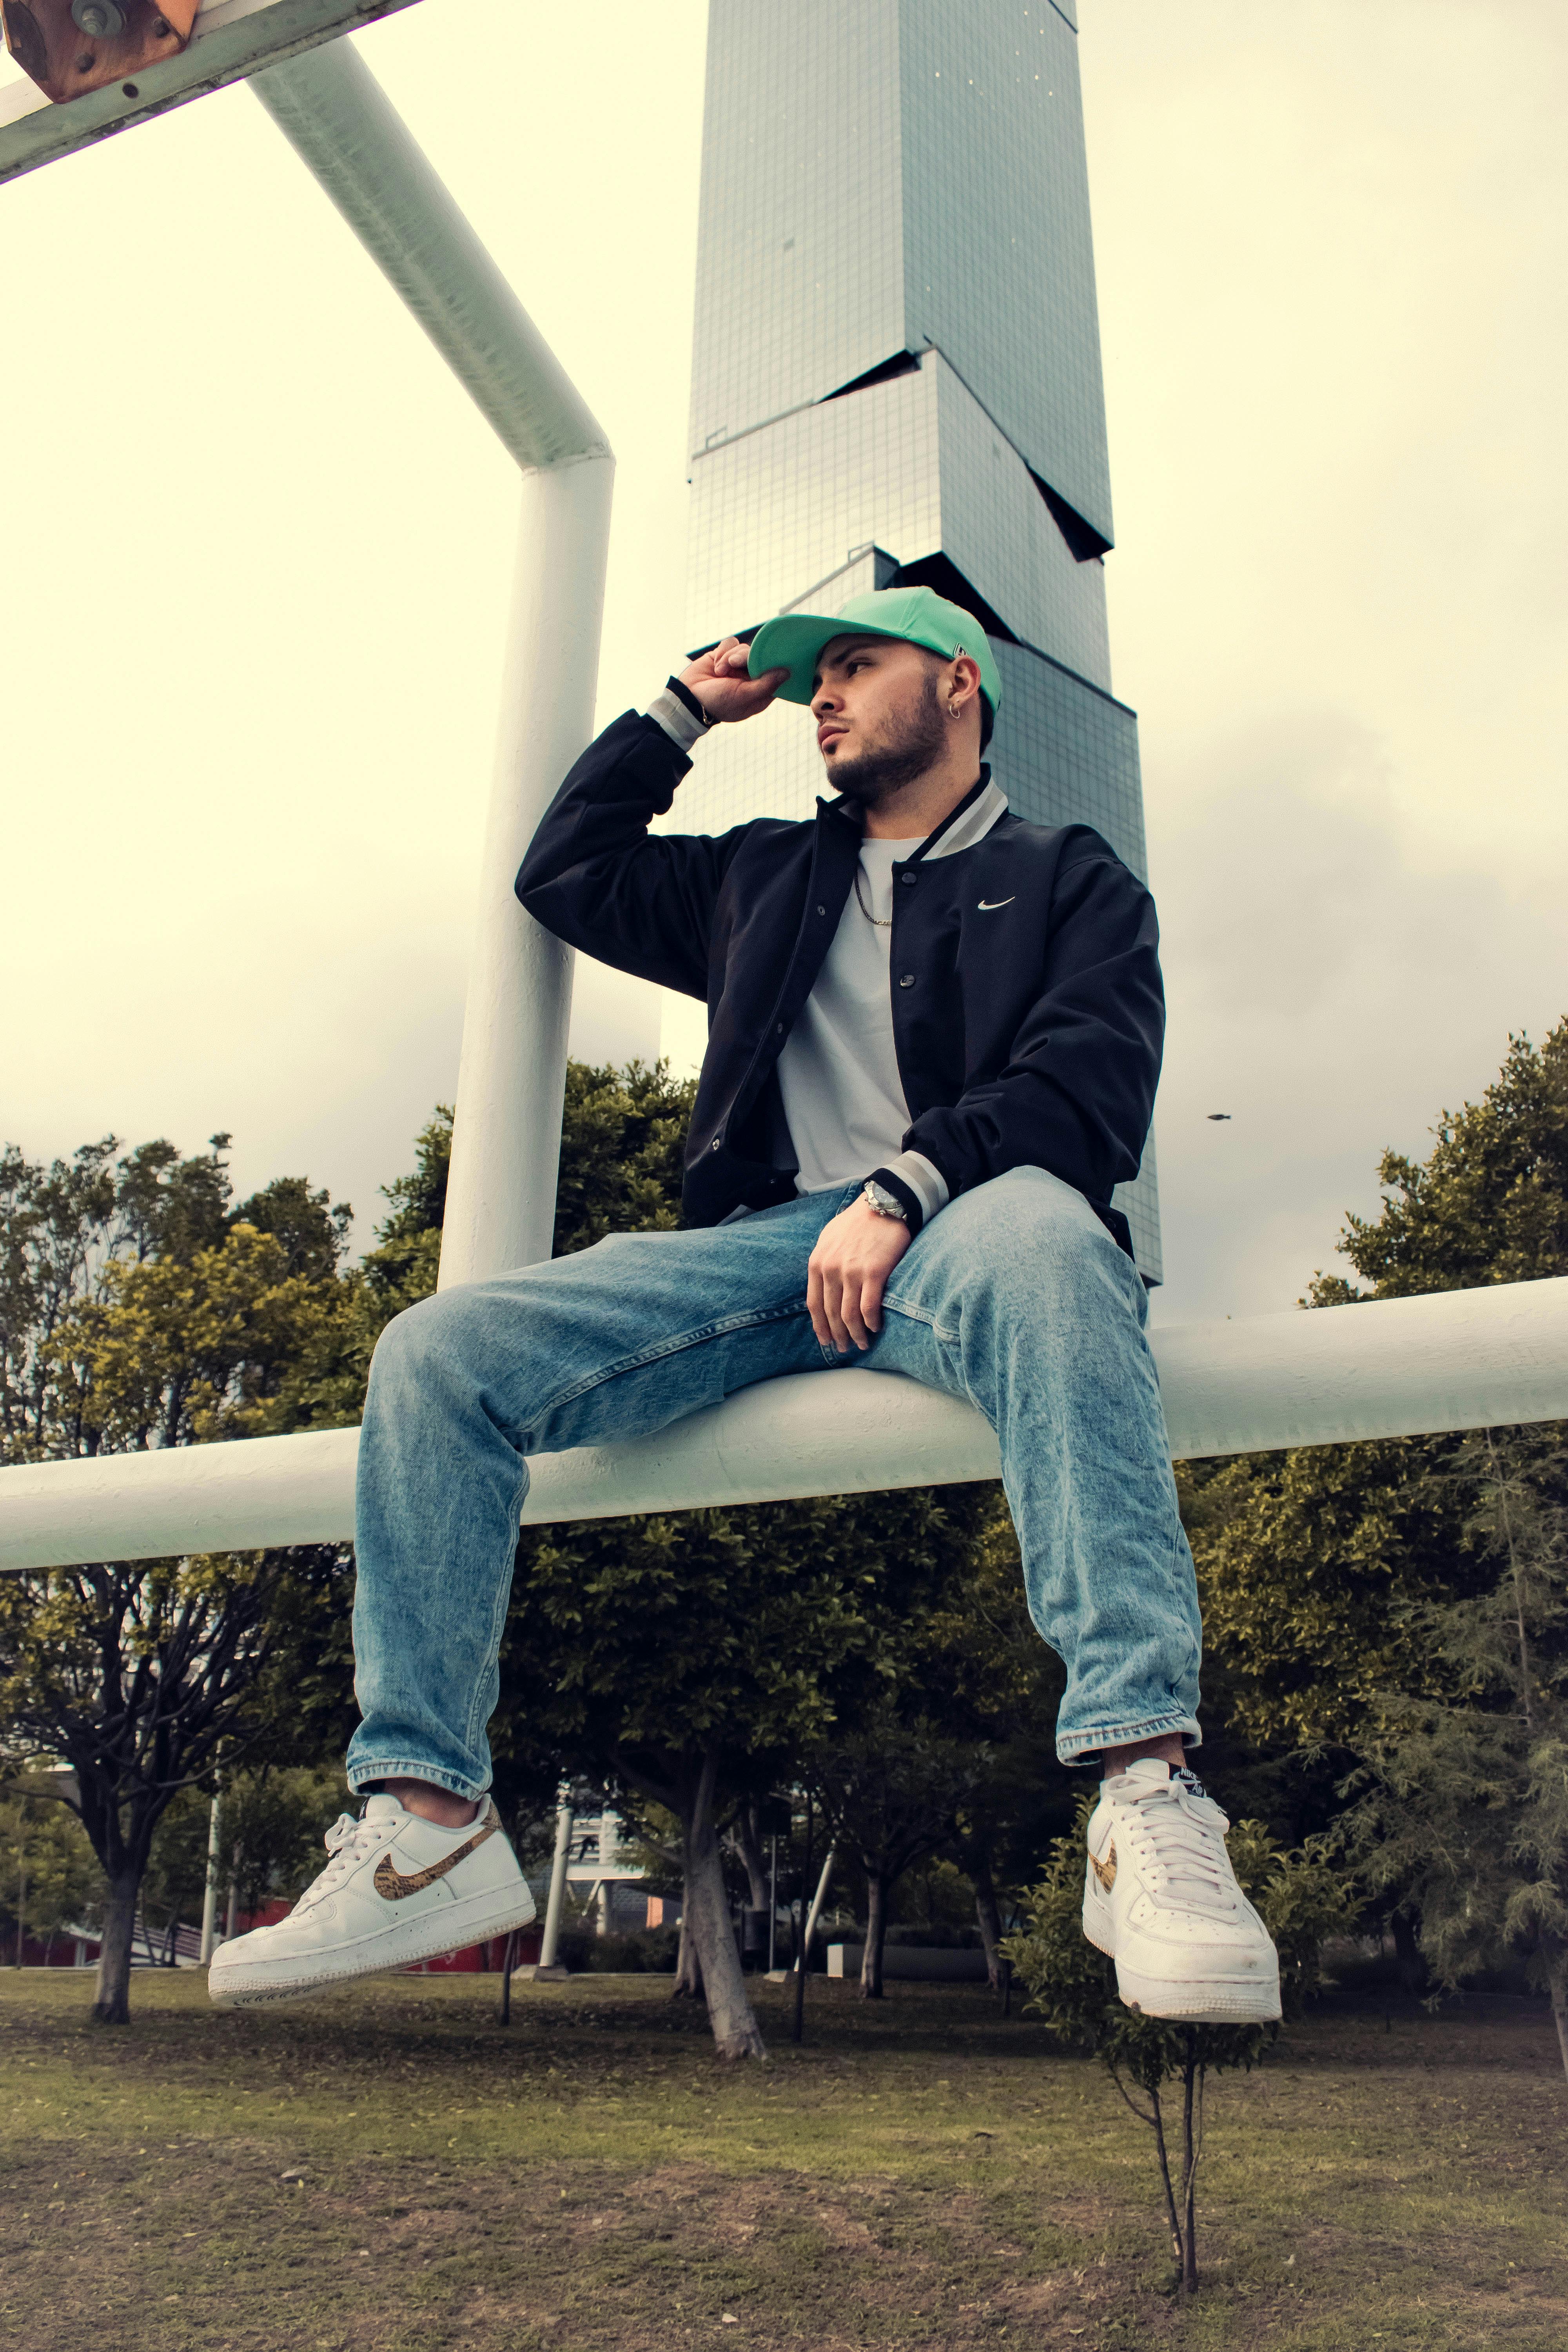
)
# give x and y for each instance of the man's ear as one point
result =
(966, 678)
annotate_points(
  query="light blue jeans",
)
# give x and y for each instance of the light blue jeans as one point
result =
(1015, 1297)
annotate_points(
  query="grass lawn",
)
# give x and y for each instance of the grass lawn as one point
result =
(391, 2170)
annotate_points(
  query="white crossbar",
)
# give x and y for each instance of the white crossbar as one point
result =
(1457, 1359)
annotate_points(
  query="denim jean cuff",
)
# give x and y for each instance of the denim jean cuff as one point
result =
(1084, 1747)
(364, 1768)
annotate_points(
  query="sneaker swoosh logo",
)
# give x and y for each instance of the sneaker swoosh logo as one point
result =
(989, 905)
(1105, 1871)
(390, 1881)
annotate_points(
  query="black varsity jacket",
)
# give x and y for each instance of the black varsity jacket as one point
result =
(1027, 1009)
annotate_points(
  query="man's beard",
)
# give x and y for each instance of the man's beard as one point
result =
(911, 744)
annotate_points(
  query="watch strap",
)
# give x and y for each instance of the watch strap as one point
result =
(909, 1199)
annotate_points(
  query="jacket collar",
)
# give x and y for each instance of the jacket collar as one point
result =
(966, 824)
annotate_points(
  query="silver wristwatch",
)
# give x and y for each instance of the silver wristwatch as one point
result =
(886, 1204)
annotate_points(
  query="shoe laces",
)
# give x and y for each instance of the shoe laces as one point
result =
(1183, 1850)
(347, 1842)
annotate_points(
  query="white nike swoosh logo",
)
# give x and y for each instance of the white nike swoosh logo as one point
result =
(989, 905)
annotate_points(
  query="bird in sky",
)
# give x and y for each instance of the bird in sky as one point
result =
(1218, 1114)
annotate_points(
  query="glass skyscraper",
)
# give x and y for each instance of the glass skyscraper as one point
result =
(896, 378)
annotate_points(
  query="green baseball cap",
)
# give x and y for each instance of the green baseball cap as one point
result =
(794, 640)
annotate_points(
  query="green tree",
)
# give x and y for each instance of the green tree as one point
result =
(1488, 1204)
(891, 1785)
(48, 1882)
(1313, 1567)
(1463, 1803)
(138, 1308)
(270, 1826)
(1398, 1604)
(987, 1678)
(688, 1660)
(1072, 1987)
(270, 1821)
(956, 1755)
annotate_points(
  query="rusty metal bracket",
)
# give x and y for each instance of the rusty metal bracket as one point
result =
(231, 39)
(71, 46)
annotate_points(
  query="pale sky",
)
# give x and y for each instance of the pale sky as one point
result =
(258, 544)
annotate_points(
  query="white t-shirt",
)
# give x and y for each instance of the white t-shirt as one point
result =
(839, 1072)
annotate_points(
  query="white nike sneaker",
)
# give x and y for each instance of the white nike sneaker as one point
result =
(1159, 1896)
(398, 1888)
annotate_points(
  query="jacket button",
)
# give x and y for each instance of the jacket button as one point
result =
(905, 980)
(822, 911)
(907, 879)
(715, 1145)
(778, 1028)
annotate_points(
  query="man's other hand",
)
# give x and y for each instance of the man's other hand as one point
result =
(722, 685)
(847, 1269)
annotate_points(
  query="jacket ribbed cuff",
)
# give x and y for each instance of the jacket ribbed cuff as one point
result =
(919, 1187)
(678, 712)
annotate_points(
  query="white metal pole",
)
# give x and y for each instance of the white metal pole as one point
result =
(804, 1955)
(774, 1905)
(552, 1935)
(505, 1145)
(501, 1193)
(209, 1894)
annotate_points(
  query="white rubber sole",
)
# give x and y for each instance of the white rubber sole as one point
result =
(1251, 1999)
(1234, 2003)
(261, 1984)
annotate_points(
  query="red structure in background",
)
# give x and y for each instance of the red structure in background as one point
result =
(471, 1961)
(81, 1951)
(58, 1952)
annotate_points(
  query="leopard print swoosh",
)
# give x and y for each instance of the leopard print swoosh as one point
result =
(1105, 1871)
(391, 1882)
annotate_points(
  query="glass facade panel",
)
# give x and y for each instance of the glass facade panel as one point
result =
(999, 532)
(954, 226)
(800, 279)
(1066, 754)
(998, 259)
(783, 508)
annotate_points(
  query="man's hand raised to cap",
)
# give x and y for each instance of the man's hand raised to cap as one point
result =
(720, 681)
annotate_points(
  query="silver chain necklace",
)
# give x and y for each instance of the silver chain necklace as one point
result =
(883, 923)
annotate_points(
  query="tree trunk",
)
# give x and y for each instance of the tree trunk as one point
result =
(706, 1918)
(1190, 2146)
(876, 1935)
(748, 1845)
(1172, 2216)
(988, 1913)
(1558, 1981)
(112, 2006)
(1412, 1965)
(688, 1985)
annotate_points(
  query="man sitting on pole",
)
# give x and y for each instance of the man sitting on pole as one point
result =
(934, 1037)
